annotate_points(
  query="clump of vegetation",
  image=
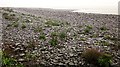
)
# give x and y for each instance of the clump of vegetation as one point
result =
(62, 35)
(9, 25)
(83, 39)
(38, 29)
(54, 34)
(16, 24)
(23, 26)
(30, 56)
(105, 60)
(104, 43)
(10, 62)
(91, 55)
(110, 37)
(95, 35)
(53, 41)
(87, 29)
(103, 28)
(97, 58)
(8, 9)
(107, 37)
(89, 26)
(27, 20)
(53, 23)
(9, 17)
(42, 36)
(32, 44)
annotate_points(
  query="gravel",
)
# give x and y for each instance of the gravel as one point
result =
(26, 43)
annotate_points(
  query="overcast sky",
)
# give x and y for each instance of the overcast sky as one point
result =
(63, 4)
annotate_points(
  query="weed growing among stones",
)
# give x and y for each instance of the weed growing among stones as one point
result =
(52, 23)
(42, 37)
(103, 28)
(27, 21)
(87, 29)
(91, 55)
(104, 43)
(38, 29)
(89, 26)
(53, 41)
(23, 26)
(9, 25)
(54, 34)
(8, 9)
(10, 62)
(16, 24)
(97, 58)
(83, 39)
(10, 17)
(62, 35)
(105, 60)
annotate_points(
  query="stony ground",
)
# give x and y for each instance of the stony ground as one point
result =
(57, 37)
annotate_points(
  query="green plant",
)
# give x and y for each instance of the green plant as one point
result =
(87, 30)
(103, 28)
(89, 26)
(104, 43)
(62, 35)
(9, 25)
(27, 20)
(53, 41)
(83, 39)
(97, 58)
(104, 60)
(30, 56)
(107, 37)
(8, 9)
(9, 17)
(42, 36)
(38, 29)
(53, 23)
(54, 34)
(23, 26)
(15, 24)
(110, 37)
(10, 62)
(94, 35)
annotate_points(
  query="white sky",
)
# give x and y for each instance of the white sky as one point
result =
(62, 4)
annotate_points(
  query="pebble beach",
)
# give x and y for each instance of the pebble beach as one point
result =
(41, 37)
